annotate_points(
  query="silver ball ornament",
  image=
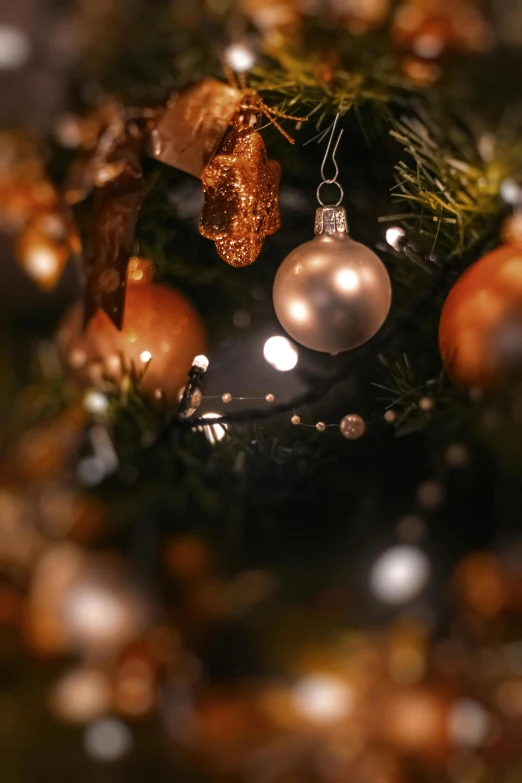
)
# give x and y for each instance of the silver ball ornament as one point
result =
(332, 294)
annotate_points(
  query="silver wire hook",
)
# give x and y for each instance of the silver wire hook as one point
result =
(332, 180)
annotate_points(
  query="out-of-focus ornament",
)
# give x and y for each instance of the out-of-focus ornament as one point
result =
(273, 16)
(81, 695)
(52, 578)
(415, 720)
(161, 334)
(44, 246)
(361, 16)
(102, 611)
(135, 687)
(480, 330)
(430, 28)
(332, 294)
(24, 187)
(32, 208)
(44, 451)
(482, 585)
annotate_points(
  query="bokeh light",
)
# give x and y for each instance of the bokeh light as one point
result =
(322, 698)
(239, 56)
(15, 48)
(469, 723)
(108, 739)
(399, 574)
(280, 353)
(81, 695)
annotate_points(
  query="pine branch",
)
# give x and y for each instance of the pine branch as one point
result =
(452, 187)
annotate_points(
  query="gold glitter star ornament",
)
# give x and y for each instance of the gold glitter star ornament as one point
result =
(241, 194)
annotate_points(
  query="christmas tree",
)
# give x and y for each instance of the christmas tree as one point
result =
(262, 373)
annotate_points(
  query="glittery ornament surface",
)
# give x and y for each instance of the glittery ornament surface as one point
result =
(241, 196)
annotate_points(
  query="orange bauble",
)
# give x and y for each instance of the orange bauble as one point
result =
(480, 331)
(161, 335)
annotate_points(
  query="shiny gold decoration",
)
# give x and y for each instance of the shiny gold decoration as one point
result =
(241, 186)
(241, 196)
(332, 294)
(193, 125)
(480, 330)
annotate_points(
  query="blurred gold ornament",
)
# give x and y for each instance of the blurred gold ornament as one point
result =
(44, 246)
(272, 16)
(481, 584)
(135, 687)
(44, 451)
(188, 558)
(420, 71)
(430, 28)
(81, 695)
(161, 333)
(24, 187)
(332, 294)
(31, 208)
(44, 625)
(361, 16)
(480, 330)
(415, 720)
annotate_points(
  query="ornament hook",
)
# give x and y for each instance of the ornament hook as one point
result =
(332, 180)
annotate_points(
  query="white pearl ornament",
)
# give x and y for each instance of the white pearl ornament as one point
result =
(352, 426)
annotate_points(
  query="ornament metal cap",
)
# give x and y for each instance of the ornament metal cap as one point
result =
(331, 221)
